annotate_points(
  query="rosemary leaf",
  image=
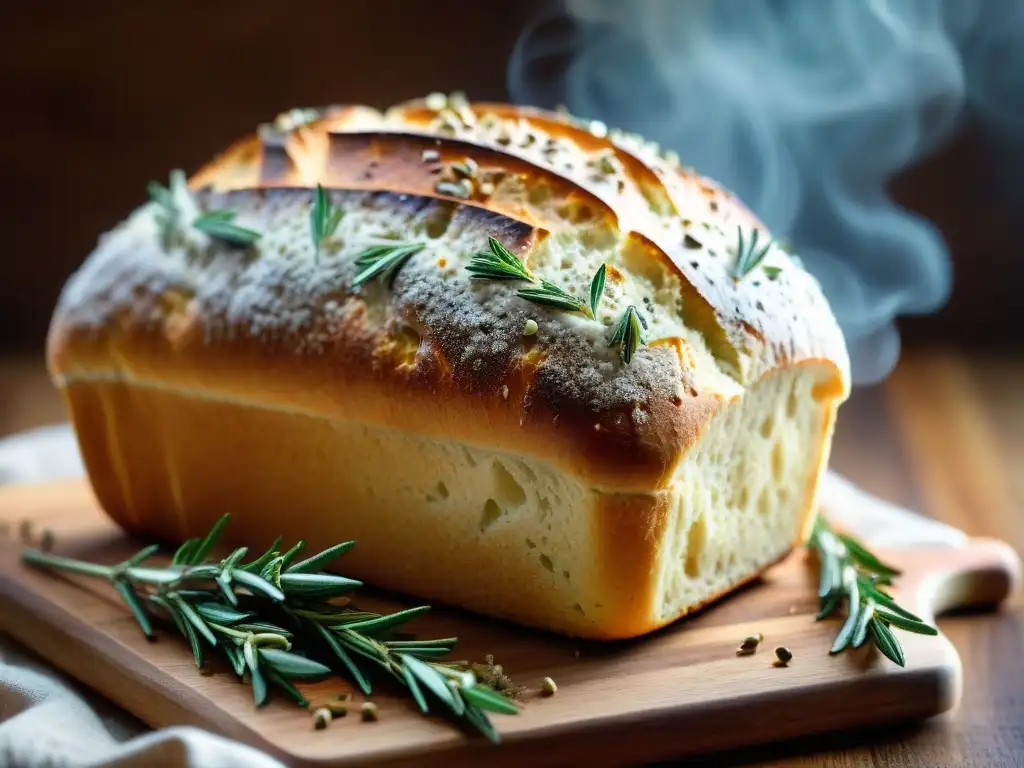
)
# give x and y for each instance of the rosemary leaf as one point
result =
(257, 565)
(350, 665)
(886, 641)
(485, 698)
(190, 634)
(140, 556)
(772, 272)
(322, 560)
(220, 614)
(552, 295)
(390, 621)
(259, 585)
(220, 226)
(629, 333)
(291, 554)
(910, 625)
(597, 290)
(434, 681)
(324, 218)
(257, 627)
(134, 602)
(293, 666)
(320, 585)
(277, 679)
(853, 610)
(498, 263)
(748, 255)
(443, 642)
(383, 259)
(184, 554)
(426, 651)
(236, 658)
(203, 549)
(191, 615)
(414, 688)
(479, 719)
(865, 558)
(860, 633)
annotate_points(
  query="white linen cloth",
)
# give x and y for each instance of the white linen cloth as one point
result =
(47, 721)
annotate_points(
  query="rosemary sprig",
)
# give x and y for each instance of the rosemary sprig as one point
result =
(629, 333)
(748, 255)
(498, 263)
(853, 575)
(385, 258)
(220, 226)
(276, 622)
(324, 218)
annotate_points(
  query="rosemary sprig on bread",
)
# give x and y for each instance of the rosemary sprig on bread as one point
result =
(852, 574)
(277, 622)
(499, 263)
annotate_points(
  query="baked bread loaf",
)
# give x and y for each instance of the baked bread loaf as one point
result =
(492, 437)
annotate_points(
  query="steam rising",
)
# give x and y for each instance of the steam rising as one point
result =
(805, 109)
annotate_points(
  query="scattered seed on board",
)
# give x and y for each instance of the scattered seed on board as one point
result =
(336, 705)
(783, 656)
(548, 687)
(751, 641)
(530, 328)
(321, 718)
(369, 711)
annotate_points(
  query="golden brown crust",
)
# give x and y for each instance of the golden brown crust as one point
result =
(173, 329)
(629, 433)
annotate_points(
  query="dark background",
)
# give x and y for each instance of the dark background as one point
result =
(100, 97)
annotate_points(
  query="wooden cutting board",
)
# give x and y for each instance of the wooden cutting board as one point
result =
(682, 691)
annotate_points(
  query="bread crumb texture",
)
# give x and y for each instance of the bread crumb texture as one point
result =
(410, 411)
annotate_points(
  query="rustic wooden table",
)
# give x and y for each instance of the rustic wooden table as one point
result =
(943, 435)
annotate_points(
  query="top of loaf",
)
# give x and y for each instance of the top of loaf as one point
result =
(281, 321)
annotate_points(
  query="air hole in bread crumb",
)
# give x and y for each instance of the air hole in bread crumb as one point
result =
(442, 490)
(579, 608)
(538, 194)
(566, 575)
(531, 476)
(531, 544)
(695, 540)
(545, 561)
(792, 404)
(778, 462)
(508, 489)
(469, 458)
(490, 514)
(764, 503)
(768, 426)
(744, 498)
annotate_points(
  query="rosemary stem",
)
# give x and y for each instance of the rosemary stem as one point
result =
(36, 557)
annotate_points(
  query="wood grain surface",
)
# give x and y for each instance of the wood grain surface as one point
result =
(945, 435)
(684, 688)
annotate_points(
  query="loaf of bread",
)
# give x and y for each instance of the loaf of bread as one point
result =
(379, 326)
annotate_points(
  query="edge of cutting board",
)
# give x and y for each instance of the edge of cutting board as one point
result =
(679, 692)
